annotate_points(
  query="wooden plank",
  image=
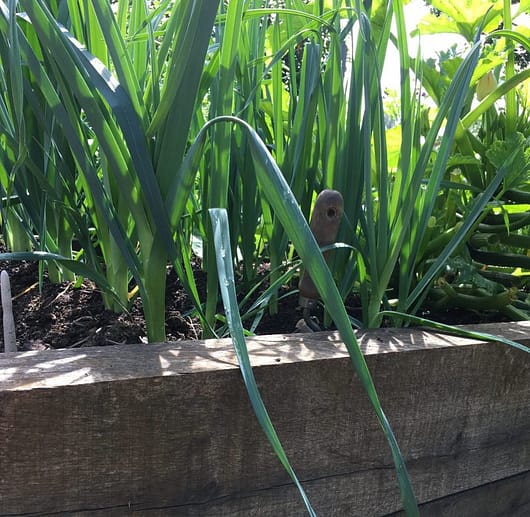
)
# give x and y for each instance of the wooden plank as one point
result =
(508, 497)
(168, 430)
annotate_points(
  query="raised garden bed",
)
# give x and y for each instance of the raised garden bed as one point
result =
(168, 430)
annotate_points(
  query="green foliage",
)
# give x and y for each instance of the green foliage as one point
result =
(109, 150)
(492, 136)
(114, 107)
(463, 18)
(119, 146)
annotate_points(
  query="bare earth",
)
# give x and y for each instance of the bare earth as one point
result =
(64, 316)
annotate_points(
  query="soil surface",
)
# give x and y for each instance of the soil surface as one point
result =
(67, 316)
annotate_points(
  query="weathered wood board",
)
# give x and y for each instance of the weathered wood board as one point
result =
(168, 430)
(508, 497)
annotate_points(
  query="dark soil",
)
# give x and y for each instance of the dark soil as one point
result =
(66, 316)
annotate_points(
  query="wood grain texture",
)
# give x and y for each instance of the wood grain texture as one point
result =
(168, 430)
(509, 497)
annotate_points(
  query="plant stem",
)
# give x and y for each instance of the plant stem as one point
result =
(153, 293)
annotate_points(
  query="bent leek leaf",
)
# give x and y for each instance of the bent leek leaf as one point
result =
(223, 255)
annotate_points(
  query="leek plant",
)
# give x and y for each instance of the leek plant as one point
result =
(102, 101)
(342, 142)
(392, 191)
(114, 92)
(117, 92)
(279, 194)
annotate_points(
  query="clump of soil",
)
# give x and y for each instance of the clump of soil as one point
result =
(66, 316)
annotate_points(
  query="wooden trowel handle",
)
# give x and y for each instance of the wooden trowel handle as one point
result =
(325, 221)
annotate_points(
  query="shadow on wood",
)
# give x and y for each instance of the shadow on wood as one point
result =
(168, 430)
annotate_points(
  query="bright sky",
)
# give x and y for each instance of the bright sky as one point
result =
(430, 44)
